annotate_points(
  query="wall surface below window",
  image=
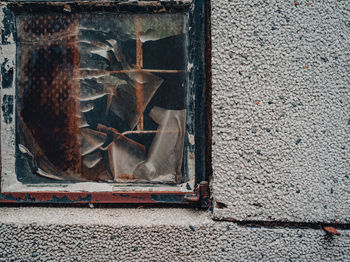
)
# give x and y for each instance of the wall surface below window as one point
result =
(41, 234)
(281, 151)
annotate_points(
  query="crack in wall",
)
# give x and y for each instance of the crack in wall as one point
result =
(284, 224)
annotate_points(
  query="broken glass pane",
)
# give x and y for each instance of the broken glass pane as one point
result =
(101, 97)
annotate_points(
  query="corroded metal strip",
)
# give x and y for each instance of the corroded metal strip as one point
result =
(96, 73)
(96, 197)
(139, 65)
(26, 6)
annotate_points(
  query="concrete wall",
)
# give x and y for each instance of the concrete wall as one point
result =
(281, 110)
(49, 234)
(281, 150)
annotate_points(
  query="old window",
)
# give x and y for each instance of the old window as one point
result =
(105, 103)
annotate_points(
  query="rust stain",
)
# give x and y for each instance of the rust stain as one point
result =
(139, 94)
(208, 93)
(118, 135)
(95, 197)
(126, 177)
(67, 8)
(49, 85)
(86, 73)
(149, 3)
(139, 65)
(331, 230)
(139, 53)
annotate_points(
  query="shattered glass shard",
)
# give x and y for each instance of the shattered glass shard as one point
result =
(83, 122)
(25, 150)
(164, 158)
(92, 160)
(91, 140)
(123, 156)
(150, 35)
(86, 106)
(109, 80)
(125, 103)
(90, 90)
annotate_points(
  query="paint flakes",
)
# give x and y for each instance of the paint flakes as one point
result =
(331, 231)
(7, 108)
(191, 139)
(7, 73)
(67, 8)
(8, 27)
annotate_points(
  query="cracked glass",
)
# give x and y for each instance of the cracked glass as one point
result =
(102, 97)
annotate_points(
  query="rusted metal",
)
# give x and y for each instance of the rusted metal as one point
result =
(139, 94)
(52, 86)
(93, 197)
(201, 195)
(85, 73)
(139, 53)
(139, 65)
(331, 230)
(26, 6)
(208, 94)
(148, 132)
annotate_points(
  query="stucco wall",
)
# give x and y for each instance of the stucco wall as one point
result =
(49, 234)
(281, 110)
(281, 150)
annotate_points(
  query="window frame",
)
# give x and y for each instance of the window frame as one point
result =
(199, 81)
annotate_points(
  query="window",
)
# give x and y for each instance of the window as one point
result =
(103, 102)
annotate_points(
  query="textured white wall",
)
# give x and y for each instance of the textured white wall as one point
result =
(48, 234)
(281, 109)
